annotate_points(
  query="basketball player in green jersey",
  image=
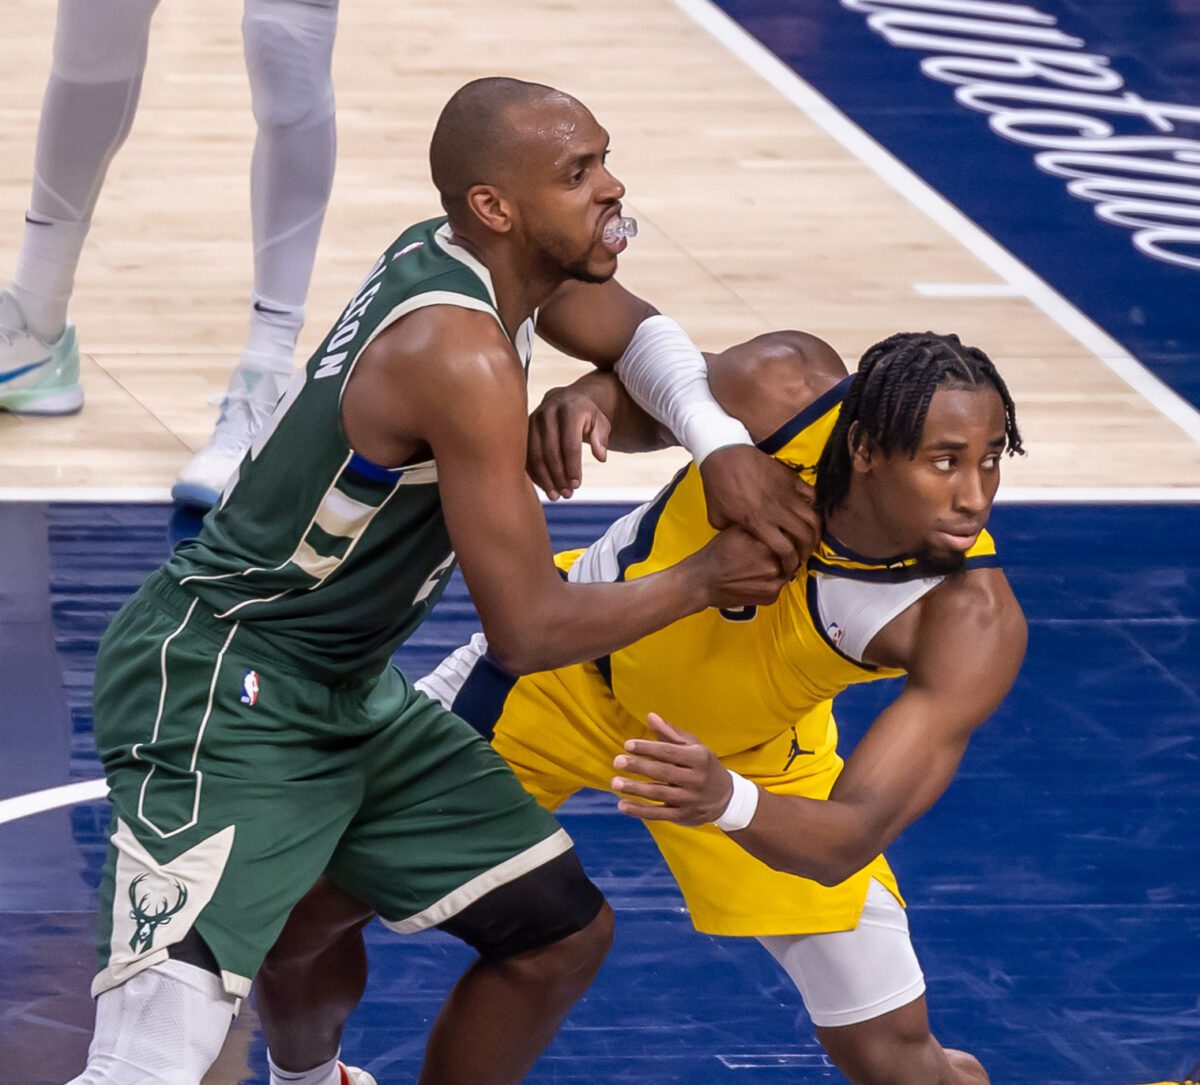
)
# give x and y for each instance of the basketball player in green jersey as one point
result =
(252, 729)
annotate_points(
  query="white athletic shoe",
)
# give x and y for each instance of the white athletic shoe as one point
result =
(248, 403)
(36, 377)
(352, 1075)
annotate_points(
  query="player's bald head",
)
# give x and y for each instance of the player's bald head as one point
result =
(490, 128)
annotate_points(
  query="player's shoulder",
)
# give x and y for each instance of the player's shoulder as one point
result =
(451, 339)
(768, 380)
(975, 607)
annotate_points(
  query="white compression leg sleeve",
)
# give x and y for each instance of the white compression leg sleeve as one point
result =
(165, 1026)
(289, 54)
(99, 57)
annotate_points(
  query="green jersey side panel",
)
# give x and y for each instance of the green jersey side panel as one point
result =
(331, 558)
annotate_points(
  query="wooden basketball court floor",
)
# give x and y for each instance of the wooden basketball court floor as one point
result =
(1053, 891)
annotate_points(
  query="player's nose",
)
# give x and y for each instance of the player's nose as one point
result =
(612, 189)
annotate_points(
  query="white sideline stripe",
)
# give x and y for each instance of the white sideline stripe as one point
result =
(967, 290)
(822, 112)
(23, 806)
(1100, 495)
(107, 494)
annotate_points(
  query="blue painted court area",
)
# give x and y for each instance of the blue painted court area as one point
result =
(1054, 892)
(1069, 131)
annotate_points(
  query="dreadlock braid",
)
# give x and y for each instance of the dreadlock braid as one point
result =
(889, 398)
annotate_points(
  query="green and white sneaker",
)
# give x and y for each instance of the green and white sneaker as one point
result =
(36, 377)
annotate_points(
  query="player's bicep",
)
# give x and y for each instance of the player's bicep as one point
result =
(969, 645)
(592, 321)
(492, 513)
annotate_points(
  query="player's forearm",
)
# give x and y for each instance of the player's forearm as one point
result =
(633, 430)
(578, 622)
(820, 839)
(667, 376)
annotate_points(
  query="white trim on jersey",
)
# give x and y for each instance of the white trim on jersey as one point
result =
(600, 562)
(852, 612)
(482, 884)
(443, 236)
(162, 696)
(445, 681)
(411, 305)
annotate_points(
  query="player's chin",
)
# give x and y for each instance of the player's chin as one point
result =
(936, 560)
(594, 272)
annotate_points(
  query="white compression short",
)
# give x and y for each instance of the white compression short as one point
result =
(852, 976)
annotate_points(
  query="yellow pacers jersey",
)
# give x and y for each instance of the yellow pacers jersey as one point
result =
(755, 685)
(741, 681)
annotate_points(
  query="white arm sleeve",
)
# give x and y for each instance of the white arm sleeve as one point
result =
(667, 376)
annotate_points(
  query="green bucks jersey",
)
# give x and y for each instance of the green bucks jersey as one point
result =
(319, 554)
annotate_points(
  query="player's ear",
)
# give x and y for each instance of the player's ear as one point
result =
(861, 447)
(490, 207)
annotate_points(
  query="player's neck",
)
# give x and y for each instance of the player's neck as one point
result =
(520, 286)
(855, 525)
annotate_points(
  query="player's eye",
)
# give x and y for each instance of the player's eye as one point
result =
(991, 462)
(944, 463)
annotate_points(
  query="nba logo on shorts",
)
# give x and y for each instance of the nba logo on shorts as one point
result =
(250, 688)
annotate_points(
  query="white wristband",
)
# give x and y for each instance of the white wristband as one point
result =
(667, 376)
(742, 804)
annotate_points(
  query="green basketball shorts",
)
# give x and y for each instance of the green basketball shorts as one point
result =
(236, 781)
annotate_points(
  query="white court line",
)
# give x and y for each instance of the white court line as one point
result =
(967, 290)
(822, 112)
(52, 798)
(117, 495)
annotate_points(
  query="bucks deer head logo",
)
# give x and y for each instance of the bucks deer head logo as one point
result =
(152, 910)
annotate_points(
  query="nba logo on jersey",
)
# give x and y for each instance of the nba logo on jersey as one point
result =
(836, 633)
(250, 688)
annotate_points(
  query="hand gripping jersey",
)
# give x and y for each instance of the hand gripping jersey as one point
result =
(323, 557)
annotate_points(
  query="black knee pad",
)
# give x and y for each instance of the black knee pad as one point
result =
(537, 909)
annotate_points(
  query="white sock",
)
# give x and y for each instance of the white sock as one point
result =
(274, 328)
(325, 1074)
(165, 1026)
(45, 274)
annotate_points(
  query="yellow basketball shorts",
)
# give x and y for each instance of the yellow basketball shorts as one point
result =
(560, 730)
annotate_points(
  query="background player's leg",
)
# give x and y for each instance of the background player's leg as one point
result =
(499, 1016)
(502, 1014)
(91, 97)
(312, 979)
(289, 56)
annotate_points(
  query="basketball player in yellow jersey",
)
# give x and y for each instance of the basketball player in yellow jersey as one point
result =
(765, 829)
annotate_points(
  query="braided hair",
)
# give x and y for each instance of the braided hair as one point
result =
(889, 397)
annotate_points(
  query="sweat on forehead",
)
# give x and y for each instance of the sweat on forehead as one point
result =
(486, 124)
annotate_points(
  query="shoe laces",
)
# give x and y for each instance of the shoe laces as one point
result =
(242, 416)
